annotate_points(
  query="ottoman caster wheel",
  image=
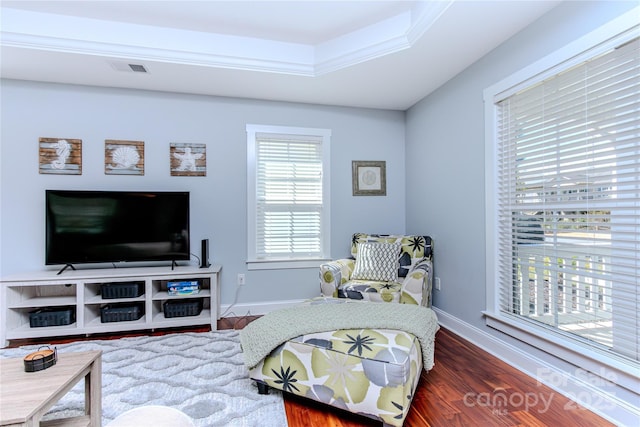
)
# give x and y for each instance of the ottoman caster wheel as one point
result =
(262, 388)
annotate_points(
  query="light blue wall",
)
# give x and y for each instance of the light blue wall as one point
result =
(218, 201)
(445, 132)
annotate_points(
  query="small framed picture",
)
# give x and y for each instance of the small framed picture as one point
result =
(369, 178)
(60, 156)
(187, 159)
(123, 157)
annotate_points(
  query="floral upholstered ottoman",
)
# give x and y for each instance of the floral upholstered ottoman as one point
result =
(372, 371)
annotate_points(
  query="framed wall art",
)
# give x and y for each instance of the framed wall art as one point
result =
(369, 178)
(188, 159)
(123, 157)
(60, 156)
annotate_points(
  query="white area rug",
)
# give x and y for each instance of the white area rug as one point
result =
(201, 374)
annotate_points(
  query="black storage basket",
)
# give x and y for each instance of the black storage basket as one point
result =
(58, 316)
(121, 312)
(182, 307)
(121, 290)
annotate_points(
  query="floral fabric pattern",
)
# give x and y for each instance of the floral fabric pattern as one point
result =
(412, 248)
(369, 372)
(412, 286)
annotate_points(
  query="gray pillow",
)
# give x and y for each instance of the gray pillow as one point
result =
(377, 261)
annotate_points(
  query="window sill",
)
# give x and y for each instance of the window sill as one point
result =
(284, 264)
(608, 366)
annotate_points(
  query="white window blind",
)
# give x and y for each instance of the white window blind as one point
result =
(290, 215)
(568, 201)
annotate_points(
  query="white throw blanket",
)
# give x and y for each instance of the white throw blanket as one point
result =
(266, 333)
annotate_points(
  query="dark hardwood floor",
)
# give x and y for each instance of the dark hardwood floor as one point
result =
(467, 387)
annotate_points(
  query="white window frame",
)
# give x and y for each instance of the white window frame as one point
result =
(253, 262)
(620, 370)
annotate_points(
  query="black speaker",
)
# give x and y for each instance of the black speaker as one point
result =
(204, 254)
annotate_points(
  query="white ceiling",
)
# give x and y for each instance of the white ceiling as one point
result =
(377, 54)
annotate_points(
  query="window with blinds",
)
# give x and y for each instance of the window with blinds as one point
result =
(568, 200)
(288, 193)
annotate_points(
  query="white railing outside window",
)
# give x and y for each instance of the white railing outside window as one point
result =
(571, 292)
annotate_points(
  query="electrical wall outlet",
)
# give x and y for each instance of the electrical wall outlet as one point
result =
(240, 279)
(437, 284)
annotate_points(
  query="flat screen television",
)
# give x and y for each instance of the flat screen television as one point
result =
(116, 226)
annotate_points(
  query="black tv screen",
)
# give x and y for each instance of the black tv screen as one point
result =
(116, 226)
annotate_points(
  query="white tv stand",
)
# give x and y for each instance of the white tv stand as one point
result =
(80, 290)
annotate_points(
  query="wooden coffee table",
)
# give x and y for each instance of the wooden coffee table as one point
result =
(26, 396)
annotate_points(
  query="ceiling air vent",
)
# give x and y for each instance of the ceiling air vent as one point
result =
(137, 68)
(128, 68)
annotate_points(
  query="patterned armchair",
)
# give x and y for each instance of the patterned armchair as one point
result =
(382, 268)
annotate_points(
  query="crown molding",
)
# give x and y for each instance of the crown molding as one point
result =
(85, 36)
(139, 53)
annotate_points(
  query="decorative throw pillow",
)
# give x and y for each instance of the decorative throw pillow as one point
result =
(377, 261)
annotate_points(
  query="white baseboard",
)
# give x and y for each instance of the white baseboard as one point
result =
(577, 388)
(256, 308)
